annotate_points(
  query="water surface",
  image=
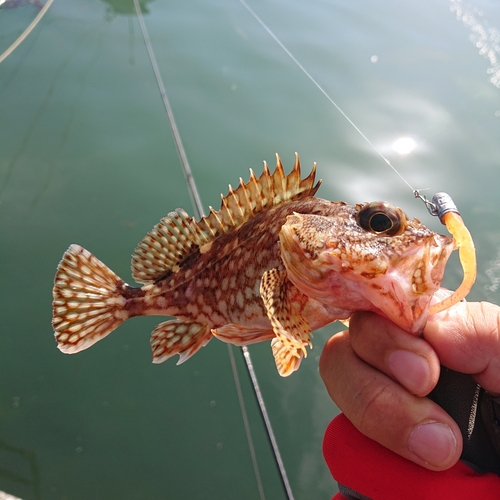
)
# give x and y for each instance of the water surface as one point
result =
(86, 156)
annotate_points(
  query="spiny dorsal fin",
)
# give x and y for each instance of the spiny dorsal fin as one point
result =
(177, 236)
(258, 194)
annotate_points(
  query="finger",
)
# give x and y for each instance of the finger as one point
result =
(406, 358)
(413, 427)
(466, 338)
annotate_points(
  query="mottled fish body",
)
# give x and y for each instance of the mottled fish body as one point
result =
(274, 263)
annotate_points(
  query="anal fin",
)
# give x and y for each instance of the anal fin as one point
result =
(178, 337)
(292, 330)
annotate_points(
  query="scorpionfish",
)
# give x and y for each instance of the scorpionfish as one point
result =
(274, 263)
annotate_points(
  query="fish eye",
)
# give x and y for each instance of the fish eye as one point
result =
(380, 217)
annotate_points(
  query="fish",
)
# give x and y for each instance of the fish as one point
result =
(274, 263)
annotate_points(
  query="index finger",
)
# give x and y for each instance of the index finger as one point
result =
(466, 338)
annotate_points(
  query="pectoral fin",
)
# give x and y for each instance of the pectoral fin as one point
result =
(287, 357)
(284, 311)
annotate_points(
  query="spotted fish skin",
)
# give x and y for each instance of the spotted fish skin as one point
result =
(244, 274)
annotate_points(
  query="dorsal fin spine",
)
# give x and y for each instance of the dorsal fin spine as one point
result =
(219, 226)
(202, 237)
(248, 199)
(279, 182)
(202, 223)
(233, 207)
(240, 204)
(293, 179)
(255, 191)
(267, 186)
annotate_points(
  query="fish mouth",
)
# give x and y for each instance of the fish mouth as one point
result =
(404, 294)
(398, 286)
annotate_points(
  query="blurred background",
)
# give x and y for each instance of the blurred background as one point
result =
(87, 157)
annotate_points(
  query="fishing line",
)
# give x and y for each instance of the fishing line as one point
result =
(188, 174)
(197, 204)
(322, 90)
(26, 32)
(246, 422)
(267, 422)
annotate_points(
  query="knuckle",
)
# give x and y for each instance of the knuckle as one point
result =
(372, 403)
(330, 352)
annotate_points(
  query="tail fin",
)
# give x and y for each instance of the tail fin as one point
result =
(88, 301)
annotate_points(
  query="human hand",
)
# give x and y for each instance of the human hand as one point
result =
(378, 375)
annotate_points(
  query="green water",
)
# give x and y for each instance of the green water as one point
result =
(86, 157)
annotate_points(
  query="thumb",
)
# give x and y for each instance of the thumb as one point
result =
(466, 338)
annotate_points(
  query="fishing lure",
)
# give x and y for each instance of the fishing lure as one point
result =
(443, 207)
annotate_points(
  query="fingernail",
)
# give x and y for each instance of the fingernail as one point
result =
(411, 370)
(433, 442)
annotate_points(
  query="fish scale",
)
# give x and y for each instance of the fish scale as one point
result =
(272, 264)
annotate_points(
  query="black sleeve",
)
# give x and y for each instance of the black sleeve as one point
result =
(490, 414)
(477, 415)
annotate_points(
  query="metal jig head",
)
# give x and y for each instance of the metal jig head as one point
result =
(440, 205)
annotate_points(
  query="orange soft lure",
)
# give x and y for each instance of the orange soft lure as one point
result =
(449, 216)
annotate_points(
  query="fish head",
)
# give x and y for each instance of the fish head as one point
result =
(366, 257)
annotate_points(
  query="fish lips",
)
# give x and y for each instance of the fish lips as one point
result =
(399, 286)
(404, 293)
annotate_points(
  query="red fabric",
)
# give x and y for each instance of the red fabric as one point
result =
(376, 472)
